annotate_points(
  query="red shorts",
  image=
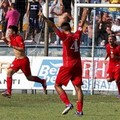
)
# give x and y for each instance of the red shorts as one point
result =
(73, 73)
(23, 64)
(114, 72)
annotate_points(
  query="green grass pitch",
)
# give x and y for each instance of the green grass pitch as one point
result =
(49, 107)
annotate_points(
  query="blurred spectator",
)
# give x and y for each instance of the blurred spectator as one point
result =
(90, 34)
(95, 1)
(52, 5)
(4, 5)
(62, 17)
(80, 8)
(33, 10)
(90, 9)
(84, 37)
(67, 5)
(104, 9)
(114, 11)
(116, 28)
(105, 17)
(12, 16)
(107, 33)
(21, 7)
(101, 26)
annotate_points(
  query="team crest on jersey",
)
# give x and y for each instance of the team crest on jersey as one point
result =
(48, 70)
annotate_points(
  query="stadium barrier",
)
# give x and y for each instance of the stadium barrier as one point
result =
(48, 67)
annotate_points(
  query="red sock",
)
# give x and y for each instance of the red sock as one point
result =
(9, 85)
(79, 105)
(64, 98)
(118, 85)
(37, 79)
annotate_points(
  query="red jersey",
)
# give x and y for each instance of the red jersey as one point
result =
(113, 72)
(71, 45)
(17, 40)
(114, 50)
(24, 63)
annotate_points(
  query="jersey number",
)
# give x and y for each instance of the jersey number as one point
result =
(75, 46)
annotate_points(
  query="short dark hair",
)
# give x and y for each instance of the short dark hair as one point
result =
(66, 26)
(13, 5)
(112, 35)
(14, 28)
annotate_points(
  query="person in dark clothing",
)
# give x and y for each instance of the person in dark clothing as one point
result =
(33, 11)
(21, 7)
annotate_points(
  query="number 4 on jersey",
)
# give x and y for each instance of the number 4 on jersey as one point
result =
(75, 46)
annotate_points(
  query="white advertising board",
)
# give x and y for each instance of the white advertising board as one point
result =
(48, 67)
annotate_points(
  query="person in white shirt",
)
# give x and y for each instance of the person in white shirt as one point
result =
(116, 28)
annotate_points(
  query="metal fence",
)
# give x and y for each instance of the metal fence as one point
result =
(54, 50)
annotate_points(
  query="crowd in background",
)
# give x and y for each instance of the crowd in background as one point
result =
(107, 19)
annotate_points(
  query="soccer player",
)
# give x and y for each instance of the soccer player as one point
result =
(72, 68)
(21, 61)
(113, 52)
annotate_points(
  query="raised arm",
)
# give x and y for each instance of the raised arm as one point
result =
(61, 2)
(52, 11)
(50, 23)
(84, 16)
(69, 16)
(9, 2)
(1, 3)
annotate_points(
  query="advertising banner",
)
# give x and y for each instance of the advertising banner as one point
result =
(48, 67)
